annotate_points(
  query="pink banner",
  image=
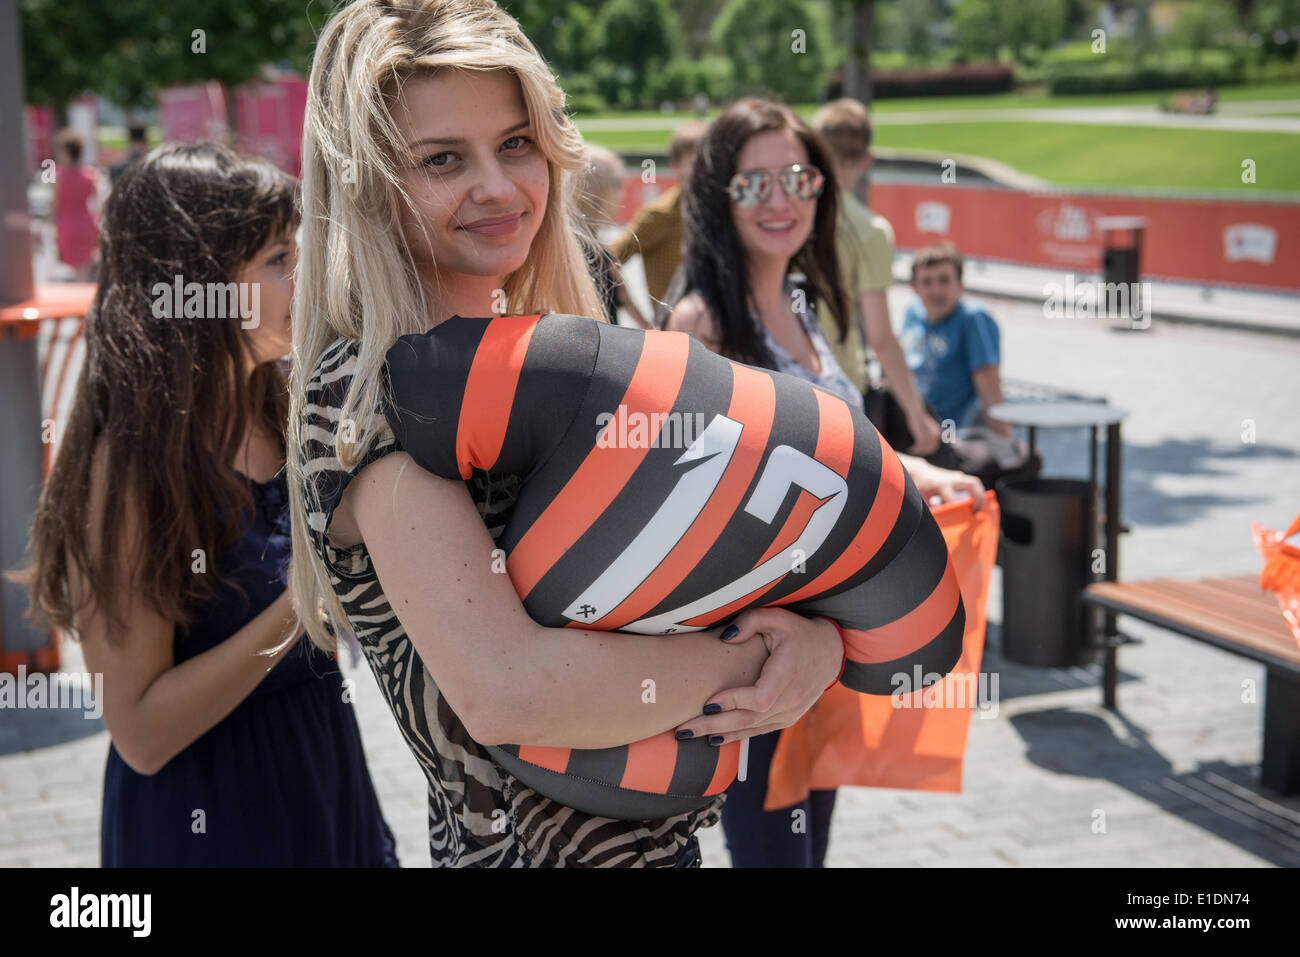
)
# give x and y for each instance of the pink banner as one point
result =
(40, 135)
(270, 120)
(190, 113)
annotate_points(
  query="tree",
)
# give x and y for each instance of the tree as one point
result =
(1204, 26)
(637, 34)
(778, 47)
(696, 17)
(1080, 16)
(576, 39)
(1276, 22)
(861, 38)
(129, 49)
(916, 19)
(1031, 25)
(537, 21)
(1143, 40)
(977, 29)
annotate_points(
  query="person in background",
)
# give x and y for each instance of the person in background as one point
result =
(952, 346)
(656, 230)
(758, 206)
(866, 249)
(598, 200)
(137, 144)
(76, 207)
(161, 539)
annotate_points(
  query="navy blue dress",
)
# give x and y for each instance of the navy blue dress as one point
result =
(282, 780)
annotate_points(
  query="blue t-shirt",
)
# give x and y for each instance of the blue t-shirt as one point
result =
(943, 355)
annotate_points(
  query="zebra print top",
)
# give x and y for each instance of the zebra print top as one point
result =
(479, 815)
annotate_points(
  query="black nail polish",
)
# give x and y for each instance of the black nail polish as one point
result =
(715, 739)
(684, 734)
(712, 708)
(731, 632)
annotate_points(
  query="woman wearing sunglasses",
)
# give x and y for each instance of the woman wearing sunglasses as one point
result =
(761, 204)
(762, 208)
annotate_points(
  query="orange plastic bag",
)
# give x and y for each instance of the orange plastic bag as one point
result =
(915, 741)
(1281, 573)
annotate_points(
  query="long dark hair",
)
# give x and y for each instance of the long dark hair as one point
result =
(168, 396)
(713, 261)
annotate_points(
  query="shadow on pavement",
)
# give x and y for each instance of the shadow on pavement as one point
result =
(1022, 681)
(1065, 454)
(30, 728)
(1224, 799)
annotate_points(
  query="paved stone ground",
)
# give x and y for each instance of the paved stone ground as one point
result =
(1173, 775)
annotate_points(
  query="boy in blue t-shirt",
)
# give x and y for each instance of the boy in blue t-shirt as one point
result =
(951, 346)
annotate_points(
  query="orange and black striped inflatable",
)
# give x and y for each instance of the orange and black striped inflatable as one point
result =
(664, 489)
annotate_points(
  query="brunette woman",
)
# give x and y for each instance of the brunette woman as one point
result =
(162, 537)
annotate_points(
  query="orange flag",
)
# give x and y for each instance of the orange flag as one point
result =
(914, 741)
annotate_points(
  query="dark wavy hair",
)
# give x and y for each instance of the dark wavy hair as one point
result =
(713, 261)
(169, 398)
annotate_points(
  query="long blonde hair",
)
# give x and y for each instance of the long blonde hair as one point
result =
(356, 274)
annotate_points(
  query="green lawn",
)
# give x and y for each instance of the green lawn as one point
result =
(1128, 156)
(1014, 100)
(1023, 100)
(1064, 153)
(1073, 154)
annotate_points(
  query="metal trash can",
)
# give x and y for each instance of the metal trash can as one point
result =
(1121, 247)
(1121, 258)
(1046, 524)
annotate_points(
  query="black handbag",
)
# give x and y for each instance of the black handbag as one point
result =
(888, 417)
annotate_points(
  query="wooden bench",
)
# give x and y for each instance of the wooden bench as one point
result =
(1234, 614)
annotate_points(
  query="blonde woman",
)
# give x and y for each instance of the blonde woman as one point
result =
(439, 178)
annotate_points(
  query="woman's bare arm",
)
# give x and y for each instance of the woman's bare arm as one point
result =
(692, 316)
(154, 708)
(509, 679)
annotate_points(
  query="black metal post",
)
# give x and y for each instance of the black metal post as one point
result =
(1111, 672)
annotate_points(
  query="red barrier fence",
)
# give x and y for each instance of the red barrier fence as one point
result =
(1192, 240)
(53, 316)
(1207, 241)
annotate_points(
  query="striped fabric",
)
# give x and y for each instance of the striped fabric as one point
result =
(666, 489)
(479, 814)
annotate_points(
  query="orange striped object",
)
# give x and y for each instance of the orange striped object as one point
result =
(665, 489)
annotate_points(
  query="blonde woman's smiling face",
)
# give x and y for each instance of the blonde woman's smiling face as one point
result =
(479, 182)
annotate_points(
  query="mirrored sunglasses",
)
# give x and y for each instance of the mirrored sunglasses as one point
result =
(752, 186)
